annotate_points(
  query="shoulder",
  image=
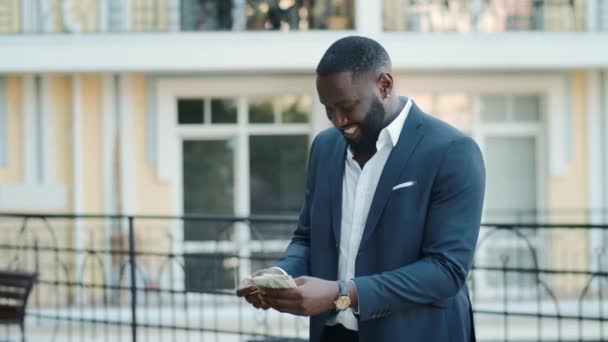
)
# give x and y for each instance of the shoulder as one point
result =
(443, 136)
(325, 140)
(328, 136)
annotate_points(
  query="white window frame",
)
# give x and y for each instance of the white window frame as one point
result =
(172, 135)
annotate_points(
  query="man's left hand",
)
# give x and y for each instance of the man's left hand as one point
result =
(312, 297)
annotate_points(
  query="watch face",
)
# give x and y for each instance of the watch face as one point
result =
(342, 303)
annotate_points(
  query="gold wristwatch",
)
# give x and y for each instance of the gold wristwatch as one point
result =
(343, 301)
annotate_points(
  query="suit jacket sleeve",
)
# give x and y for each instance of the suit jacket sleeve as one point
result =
(450, 236)
(296, 259)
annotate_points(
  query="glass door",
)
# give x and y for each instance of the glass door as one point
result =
(208, 188)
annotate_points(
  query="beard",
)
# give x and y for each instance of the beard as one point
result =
(370, 130)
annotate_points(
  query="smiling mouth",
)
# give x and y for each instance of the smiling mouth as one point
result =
(350, 131)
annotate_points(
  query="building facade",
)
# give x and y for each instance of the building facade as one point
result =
(168, 107)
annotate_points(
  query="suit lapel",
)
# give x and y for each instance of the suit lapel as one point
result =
(408, 140)
(338, 159)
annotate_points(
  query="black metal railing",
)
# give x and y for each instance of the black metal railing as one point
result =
(485, 15)
(96, 16)
(170, 16)
(134, 278)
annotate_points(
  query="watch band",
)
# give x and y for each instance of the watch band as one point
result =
(342, 289)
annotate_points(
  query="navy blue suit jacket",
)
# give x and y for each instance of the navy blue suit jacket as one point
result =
(418, 242)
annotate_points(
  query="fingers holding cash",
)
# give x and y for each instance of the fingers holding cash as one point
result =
(274, 281)
(263, 279)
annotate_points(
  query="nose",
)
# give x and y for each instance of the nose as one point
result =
(339, 119)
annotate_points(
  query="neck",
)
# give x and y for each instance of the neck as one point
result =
(393, 108)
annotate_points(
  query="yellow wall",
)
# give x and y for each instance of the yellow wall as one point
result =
(13, 172)
(151, 195)
(92, 167)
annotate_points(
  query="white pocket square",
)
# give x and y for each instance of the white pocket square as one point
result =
(404, 185)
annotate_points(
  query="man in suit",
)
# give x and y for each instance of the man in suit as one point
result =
(391, 214)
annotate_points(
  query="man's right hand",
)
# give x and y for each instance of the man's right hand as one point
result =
(251, 293)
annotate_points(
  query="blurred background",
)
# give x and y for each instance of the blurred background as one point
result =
(153, 153)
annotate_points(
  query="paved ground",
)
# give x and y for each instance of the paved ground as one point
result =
(228, 318)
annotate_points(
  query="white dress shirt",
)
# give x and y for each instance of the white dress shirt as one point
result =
(358, 189)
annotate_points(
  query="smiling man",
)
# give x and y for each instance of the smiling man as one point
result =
(391, 214)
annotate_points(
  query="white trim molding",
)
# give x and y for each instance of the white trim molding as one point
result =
(594, 143)
(119, 15)
(592, 15)
(33, 197)
(78, 179)
(174, 14)
(295, 52)
(47, 130)
(369, 18)
(3, 122)
(29, 103)
(604, 133)
(597, 157)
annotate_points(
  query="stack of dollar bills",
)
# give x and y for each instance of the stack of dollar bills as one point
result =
(274, 281)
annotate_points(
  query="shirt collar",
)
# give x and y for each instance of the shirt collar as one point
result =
(396, 126)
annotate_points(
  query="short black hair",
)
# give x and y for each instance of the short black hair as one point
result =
(356, 54)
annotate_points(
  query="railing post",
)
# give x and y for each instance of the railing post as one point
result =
(133, 280)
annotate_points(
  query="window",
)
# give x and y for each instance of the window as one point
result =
(453, 108)
(206, 111)
(277, 173)
(213, 153)
(283, 109)
(254, 15)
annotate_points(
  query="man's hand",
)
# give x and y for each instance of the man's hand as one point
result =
(311, 297)
(251, 293)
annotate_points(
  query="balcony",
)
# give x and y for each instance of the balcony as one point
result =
(96, 16)
(290, 35)
(485, 16)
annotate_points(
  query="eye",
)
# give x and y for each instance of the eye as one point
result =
(348, 110)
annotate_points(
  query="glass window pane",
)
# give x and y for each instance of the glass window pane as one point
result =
(262, 260)
(526, 108)
(208, 174)
(190, 111)
(428, 16)
(261, 110)
(278, 170)
(493, 108)
(295, 109)
(190, 11)
(223, 111)
(209, 272)
(511, 174)
(455, 109)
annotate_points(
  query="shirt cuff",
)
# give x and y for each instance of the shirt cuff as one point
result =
(280, 269)
(357, 292)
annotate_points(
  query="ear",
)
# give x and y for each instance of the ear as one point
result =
(385, 83)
